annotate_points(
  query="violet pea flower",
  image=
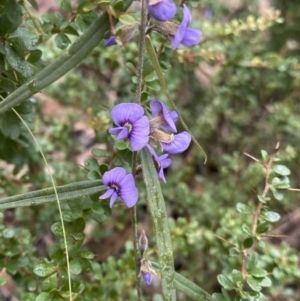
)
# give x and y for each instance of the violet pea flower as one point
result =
(184, 35)
(120, 185)
(178, 145)
(147, 277)
(110, 41)
(162, 162)
(161, 10)
(132, 125)
(162, 117)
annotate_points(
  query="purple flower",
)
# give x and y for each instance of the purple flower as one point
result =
(132, 124)
(110, 41)
(207, 13)
(147, 277)
(162, 162)
(161, 10)
(178, 145)
(120, 185)
(163, 117)
(184, 35)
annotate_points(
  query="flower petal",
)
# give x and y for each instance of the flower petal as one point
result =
(113, 199)
(165, 161)
(128, 192)
(126, 112)
(116, 131)
(110, 41)
(186, 20)
(107, 194)
(192, 37)
(113, 176)
(163, 11)
(147, 277)
(180, 143)
(139, 136)
(158, 107)
(161, 175)
(123, 134)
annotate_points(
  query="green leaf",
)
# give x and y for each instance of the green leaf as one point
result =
(277, 195)
(17, 62)
(127, 20)
(265, 282)
(65, 5)
(254, 284)
(79, 225)
(87, 254)
(34, 56)
(44, 269)
(258, 272)
(29, 297)
(225, 282)
(57, 230)
(188, 287)
(85, 7)
(67, 192)
(44, 296)
(94, 175)
(7, 85)
(237, 277)
(262, 199)
(244, 209)
(118, 5)
(264, 156)
(252, 261)
(160, 220)
(271, 216)
(120, 145)
(218, 297)
(281, 170)
(247, 229)
(103, 168)
(11, 19)
(91, 164)
(50, 283)
(8, 233)
(10, 125)
(23, 39)
(80, 23)
(262, 227)
(98, 152)
(62, 41)
(75, 267)
(248, 242)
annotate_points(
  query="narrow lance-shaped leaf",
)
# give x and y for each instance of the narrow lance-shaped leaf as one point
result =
(160, 220)
(47, 195)
(189, 288)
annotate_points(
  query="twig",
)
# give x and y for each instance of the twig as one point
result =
(268, 168)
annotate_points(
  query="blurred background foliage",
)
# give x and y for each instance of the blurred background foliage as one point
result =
(238, 91)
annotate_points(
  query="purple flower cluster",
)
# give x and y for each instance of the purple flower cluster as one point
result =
(163, 11)
(133, 126)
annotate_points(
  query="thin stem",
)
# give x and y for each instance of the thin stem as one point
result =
(141, 53)
(138, 94)
(57, 199)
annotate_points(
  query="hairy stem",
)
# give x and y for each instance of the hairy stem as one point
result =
(138, 94)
